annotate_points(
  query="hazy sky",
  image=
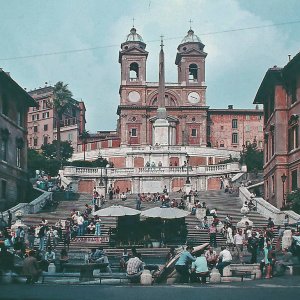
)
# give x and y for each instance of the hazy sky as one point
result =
(235, 65)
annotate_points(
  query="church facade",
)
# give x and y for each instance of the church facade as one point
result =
(191, 121)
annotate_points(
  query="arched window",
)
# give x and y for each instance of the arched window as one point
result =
(133, 72)
(193, 73)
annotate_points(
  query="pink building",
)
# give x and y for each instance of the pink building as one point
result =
(235, 129)
(42, 120)
(280, 94)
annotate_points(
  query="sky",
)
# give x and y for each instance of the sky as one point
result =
(38, 38)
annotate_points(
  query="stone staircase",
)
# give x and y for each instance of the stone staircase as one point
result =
(225, 204)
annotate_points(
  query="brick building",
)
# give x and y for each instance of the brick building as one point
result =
(280, 94)
(42, 120)
(234, 129)
(14, 103)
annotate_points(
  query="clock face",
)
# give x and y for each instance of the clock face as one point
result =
(134, 96)
(193, 97)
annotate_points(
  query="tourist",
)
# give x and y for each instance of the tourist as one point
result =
(225, 259)
(9, 218)
(31, 237)
(124, 259)
(268, 259)
(171, 254)
(64, 259)
(182, 264)
(211, 257)
(99, 256)
(80, 221)
(270, 223)
(6, 260)
(50, 256)
(199, 269)
(91, 228)
(138, 202)
(286, 221)
(239, 241)
(253, 247)
(42, 236)
(123, 196)
(31, 268)
(212, 231)
(117, 192)
(134, 268)
(229, 236)
(98, 227)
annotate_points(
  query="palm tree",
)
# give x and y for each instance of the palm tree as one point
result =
(84, 137)
(60, 102)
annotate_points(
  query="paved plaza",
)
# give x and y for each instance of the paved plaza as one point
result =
(287, 287)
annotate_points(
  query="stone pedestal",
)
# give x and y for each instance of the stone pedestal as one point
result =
(51, 268)
(101, 190)
(287, 239)
(226, 274)
(187, 188)
(242, 223)
(215, 276)
(201, 213)
(161, 129)
(19, 222)
(146, 278)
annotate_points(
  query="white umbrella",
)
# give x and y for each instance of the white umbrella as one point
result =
(165, 213)
(116, 211)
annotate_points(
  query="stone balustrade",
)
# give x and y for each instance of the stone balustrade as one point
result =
(30, 208)
(266, 209)
(110, 172)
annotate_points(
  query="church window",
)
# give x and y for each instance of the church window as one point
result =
(134, 72)
(194, 132)
(133, 132)
(193, 73)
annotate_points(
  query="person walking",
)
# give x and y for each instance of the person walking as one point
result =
(239, 241)
(213, 235)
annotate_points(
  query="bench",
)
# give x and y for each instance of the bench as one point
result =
(86, 270)
(243, 274)
(119, 276)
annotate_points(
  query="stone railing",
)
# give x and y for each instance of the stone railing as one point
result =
(266, 209)
(30, 208)
(37, 204)
(110, 172)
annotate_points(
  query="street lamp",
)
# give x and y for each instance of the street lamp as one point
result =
(283, 178)
(100, 158)
(187, 169)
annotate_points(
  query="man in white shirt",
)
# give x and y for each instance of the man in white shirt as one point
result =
(239, 240)
(80, 221)
(225, 259)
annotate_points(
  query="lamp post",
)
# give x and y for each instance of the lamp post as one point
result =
(187, 169)
(101, 175)
(283, 178)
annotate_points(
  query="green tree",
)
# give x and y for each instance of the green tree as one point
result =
(253, 158)
(50, 150)
(293, 199)
(84, 138)
(62, 97)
